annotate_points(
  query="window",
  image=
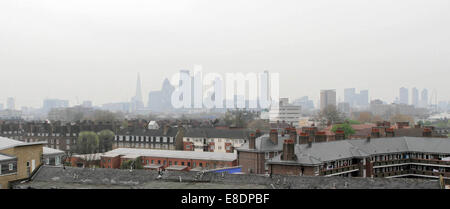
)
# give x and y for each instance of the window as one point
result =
(11, 166)
(182, 163)
(57, 160)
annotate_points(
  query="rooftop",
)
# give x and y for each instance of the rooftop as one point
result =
(6, 157)
(49, 177)
(263, 143)
(345, 149)
(133, 153)
(6, 143)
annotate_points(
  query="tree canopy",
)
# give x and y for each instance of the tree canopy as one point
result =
(87, 143)
(106, 138)
(348, 130)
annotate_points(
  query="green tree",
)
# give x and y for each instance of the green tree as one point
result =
(348, 130)
(106, 138)
(132, 164)
(87, 143)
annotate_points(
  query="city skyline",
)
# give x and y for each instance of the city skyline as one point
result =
(145, 97)
(95, 55)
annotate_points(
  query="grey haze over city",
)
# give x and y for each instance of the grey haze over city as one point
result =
(94, 49)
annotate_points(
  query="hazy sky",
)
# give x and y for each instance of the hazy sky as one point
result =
(93, 49)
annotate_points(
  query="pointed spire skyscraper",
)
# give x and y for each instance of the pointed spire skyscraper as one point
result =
(137, 102)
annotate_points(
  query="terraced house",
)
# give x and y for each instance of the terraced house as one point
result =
(214, 140)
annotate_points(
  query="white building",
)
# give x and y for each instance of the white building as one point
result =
(286, 112)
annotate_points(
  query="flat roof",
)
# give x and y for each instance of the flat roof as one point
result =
(173, 154)
(153, 166)
(322, 152)
(176, 167)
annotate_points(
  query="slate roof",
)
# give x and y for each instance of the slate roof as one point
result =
(319, 153)
(150, 132)
(216, 133)
(264, 144)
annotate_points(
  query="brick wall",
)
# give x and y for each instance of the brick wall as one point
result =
(291, 170)
(251, 162)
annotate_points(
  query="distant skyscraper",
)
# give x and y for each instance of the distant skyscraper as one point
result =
(404, 98)
(137, 102)
(415, 97)
(305, 103)
(11, 103)
(354, 99)
(49, 104)
(363, 98)
(161, 100)
(349, 96)
(327, 97)
(1, 106)
(424, 98)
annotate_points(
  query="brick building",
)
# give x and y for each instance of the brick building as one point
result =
(372, 157)
(252, 155)
(169, 159)
(18, 159)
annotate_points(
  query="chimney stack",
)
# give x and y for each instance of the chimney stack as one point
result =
(320, 137)
(375, 132)
(390, 132)
(401, 125)
(340, 135)
(427, 132)
(293, 135)
(303, 138)
(252, 141)
(274, 136)
(368, 138)
(288, 150)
